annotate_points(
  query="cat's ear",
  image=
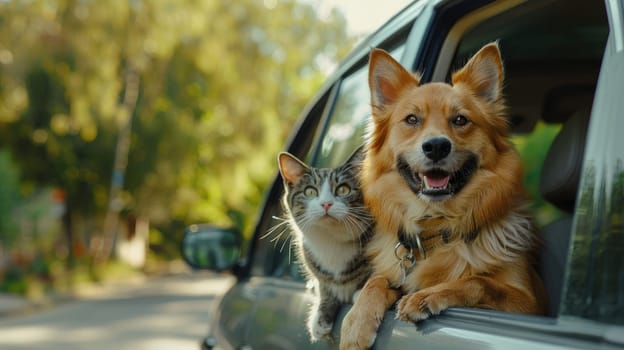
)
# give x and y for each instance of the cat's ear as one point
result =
(357, 157)
(291, 168)
(387, 79)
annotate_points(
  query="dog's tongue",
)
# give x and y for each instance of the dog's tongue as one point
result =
(437, 182)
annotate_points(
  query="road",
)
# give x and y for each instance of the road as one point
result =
(160, 313)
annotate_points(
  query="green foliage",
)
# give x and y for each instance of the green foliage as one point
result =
(14, 281)
(220, 85)
(533, 149)
(9, 199)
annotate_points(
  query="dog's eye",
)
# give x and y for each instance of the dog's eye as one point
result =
(412, 119)
(459, 120)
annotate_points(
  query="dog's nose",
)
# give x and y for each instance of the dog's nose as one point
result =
(437, 148)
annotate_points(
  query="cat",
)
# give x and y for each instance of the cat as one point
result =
(330, 227)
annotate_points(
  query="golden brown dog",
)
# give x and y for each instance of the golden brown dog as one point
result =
(445, 186)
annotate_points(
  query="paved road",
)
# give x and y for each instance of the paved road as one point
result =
(162, 313)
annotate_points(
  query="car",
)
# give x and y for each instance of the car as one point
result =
(564, 83)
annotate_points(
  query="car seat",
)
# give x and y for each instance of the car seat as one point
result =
(559, 181)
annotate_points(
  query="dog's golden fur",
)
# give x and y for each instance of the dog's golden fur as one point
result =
(486, 260)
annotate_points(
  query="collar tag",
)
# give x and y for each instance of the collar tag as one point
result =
(406, 260)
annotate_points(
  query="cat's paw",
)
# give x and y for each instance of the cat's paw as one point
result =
(320, 330)
(319, 327)
(420, 305)
(358, 332)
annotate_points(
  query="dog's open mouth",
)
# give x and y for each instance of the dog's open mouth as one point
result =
(437, 183)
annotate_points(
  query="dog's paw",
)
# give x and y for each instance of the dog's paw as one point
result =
(420, 305)
(358, 332)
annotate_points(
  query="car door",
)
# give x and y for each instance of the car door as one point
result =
(275, 297)
(552, 76)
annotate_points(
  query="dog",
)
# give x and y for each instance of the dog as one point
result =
(445, 186)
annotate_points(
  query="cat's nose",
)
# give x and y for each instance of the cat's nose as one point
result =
(326, 205)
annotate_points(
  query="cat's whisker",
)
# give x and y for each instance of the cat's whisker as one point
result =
(276, 238)
(304, 221)
(279, 235)
(355, 227)
(352, 226)
(274, 228)
(288, 239)
(358, 221)
(362, 211)
(360, 226)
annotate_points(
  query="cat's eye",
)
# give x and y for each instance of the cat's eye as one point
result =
(310, 192)
(343, 190)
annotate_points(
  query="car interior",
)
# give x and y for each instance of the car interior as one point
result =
(552, 52)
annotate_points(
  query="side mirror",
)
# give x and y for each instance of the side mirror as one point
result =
(211, 248)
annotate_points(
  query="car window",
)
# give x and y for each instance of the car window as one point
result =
(275, 254)
(595, 287)
(551, 72)
(349, 116)
(271, 248)
(272, 245)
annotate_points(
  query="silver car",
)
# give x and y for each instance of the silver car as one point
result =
(564, 63)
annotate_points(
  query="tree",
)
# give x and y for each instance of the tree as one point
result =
(220, 83)
(9, 200)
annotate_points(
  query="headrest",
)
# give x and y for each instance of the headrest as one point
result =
(562, 101)
(561, 170)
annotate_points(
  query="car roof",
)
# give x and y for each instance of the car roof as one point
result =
(375, 39)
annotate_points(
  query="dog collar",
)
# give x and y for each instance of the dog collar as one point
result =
(412, 247)
(419, 243)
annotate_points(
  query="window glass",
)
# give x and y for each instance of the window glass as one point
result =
(272, 244)
(275, 252)
(595, 287)
(349, 117)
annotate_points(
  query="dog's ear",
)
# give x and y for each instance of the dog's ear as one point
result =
(483, 73)
(291, 168)
(387, 79)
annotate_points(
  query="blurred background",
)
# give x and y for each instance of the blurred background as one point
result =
(124, 121)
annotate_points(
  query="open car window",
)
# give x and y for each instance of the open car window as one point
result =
(344, 131)
(551, 72)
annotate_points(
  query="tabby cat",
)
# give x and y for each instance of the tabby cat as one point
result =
(330, 226)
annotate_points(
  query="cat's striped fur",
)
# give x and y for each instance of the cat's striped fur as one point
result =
(330, 226)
